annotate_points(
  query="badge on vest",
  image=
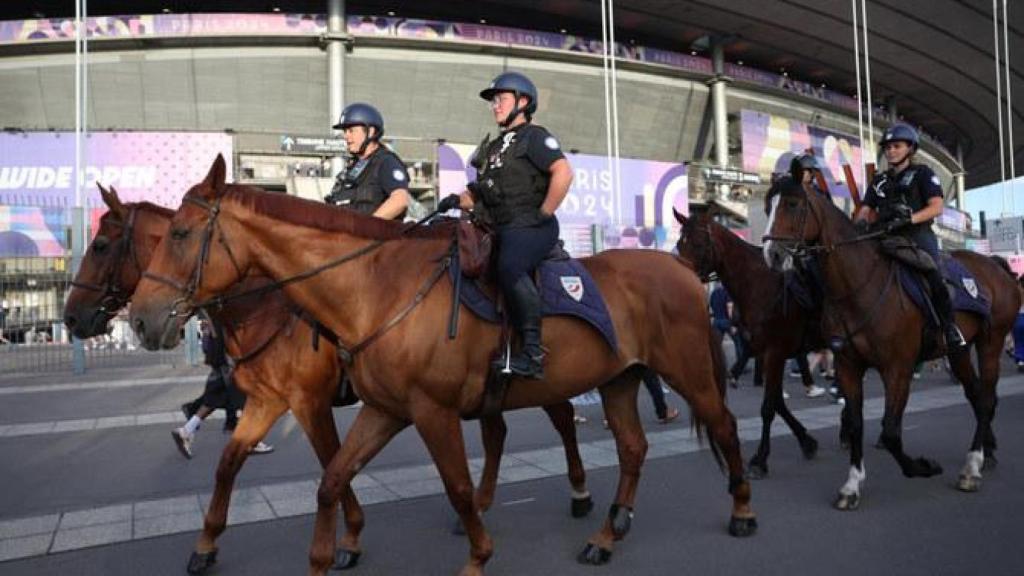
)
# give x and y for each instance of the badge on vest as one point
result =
(573, 286)
(971, 287)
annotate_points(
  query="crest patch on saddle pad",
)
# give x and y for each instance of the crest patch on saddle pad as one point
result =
(573, 286)
(971, 286)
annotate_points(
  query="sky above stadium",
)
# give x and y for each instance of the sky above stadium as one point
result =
(996, 199)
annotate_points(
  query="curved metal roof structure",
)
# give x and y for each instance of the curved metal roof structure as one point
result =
(930, 59)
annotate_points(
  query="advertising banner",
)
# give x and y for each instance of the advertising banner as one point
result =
(640, 217)
(37, 178)
(771, 142)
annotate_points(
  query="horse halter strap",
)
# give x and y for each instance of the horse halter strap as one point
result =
(114, 296)
(189, 290)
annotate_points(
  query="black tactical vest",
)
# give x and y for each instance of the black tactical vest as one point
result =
(511, 187)
(904, 188)
(361, 190)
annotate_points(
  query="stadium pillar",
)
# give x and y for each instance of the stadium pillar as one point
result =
(336, 32)
(959, 177)
(718, 83)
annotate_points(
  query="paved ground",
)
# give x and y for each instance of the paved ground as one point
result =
(93, 485)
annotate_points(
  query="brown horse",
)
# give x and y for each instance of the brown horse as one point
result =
(270, 341)
(778, 327)
(873, 323)
(381, 292)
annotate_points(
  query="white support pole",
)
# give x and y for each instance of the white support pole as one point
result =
(335, 68)
(864, 151)
(77, 211)
(867, 75)
(999, 102)
(605, 67)
(1009, 110)
(615, 109)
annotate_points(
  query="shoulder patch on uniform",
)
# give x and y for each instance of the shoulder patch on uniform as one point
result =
(398, 174)
(935, 179)
(551, 143)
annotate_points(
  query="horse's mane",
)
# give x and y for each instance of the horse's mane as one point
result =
(1004, 264)
(311, 214)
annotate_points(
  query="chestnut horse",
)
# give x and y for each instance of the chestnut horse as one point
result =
(779, 328)
(270, 342)
(383, 293)
(875, 324)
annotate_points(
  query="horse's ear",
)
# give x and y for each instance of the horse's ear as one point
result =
(679, 217)
(213, 184)
(111, 199)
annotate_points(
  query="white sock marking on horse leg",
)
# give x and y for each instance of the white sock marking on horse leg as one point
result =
(854, 481)
(972, 468)
(580, 495)
(767, 249)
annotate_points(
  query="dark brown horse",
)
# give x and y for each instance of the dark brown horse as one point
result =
(276, 366)
(404, 366)
(873, 323)
(778, 326)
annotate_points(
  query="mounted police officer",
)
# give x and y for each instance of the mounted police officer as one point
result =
(522, 179)
(904, 200)
(806, 169)
(375, 181)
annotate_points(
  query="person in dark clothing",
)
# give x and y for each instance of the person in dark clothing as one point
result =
(904, 200)
(662, 410)
(375, 181)
(219, 393)
(521, 180)
(722, 320)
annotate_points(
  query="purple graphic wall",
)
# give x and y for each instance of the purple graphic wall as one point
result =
(37, 178)
(640, 217)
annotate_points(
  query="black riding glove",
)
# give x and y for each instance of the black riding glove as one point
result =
(862, 226)
(897, 223)
(447, 203)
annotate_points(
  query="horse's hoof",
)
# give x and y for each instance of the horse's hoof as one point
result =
(345, 559)
(809, 446)
(457, 528)
(594, 555)
(990, 462)
(757, 470)
(581, 506)
(968, 483)
(742, 527)
(923, 468)
(847, 502)
(200, 561)
(621, 518)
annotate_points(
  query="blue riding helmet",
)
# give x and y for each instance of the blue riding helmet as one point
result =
(803, 162)
(519, 85)
(900, 132)
(361, 114)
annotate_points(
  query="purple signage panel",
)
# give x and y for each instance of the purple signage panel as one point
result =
(640, 217)
(37, 178)
(771, 142)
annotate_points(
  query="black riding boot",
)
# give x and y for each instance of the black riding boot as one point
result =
(944, 308)
(528, 361)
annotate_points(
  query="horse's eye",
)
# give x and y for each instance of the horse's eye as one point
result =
(791, 203)
(100, 244)
(179, 233)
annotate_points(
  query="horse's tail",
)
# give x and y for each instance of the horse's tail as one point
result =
(721, 381)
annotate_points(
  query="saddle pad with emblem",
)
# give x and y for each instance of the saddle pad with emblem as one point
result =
(967, 294)
(566, 289)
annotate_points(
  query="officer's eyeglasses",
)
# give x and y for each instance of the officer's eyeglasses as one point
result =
(497, 99)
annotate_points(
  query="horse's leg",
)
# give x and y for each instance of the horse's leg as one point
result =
(317, 420)
(850, 376)
(897, 393)
(773, 403)
(561, 417)
(619, 400)
(442, 433)
(982, 395)
(260, 414)
(370, 432)
(699, 385)
(492, 432)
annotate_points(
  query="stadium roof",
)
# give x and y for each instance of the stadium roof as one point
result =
(932, 59)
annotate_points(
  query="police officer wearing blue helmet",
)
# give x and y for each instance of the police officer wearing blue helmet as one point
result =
(805, 169)
(904, 199)
(522, 179)
(375, 180)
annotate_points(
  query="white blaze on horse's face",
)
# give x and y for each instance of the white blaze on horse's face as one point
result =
(769, 245)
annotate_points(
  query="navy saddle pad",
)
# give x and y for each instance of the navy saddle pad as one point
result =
(566, 289)
(967, 295)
